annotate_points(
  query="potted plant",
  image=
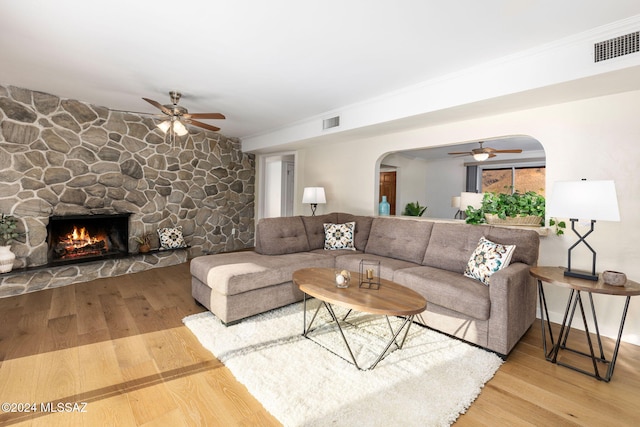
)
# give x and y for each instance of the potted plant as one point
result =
(144, 242)
(8, 232)
(509, 209)
(414, 209)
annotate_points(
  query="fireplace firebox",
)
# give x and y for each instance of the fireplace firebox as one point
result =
(83, 238)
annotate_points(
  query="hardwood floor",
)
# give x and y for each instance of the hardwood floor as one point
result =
(119, 346)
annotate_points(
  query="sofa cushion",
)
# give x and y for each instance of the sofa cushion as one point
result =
(363, 227)
(388, 266)
(451, 245)
(337, 252)
(277, 236)
(314, 227)
(399, 238)
(237, 272)
(488, 258)
(527, 243)
(339, 236)
(447, 289)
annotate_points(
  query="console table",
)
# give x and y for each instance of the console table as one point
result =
(555, 276)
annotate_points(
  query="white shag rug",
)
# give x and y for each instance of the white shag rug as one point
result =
(429, 382)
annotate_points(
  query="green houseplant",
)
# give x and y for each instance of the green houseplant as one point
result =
(503, 206)
(414, 209)
(8, 232)
(8, 229)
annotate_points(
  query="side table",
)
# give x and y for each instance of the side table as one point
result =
(555, 276)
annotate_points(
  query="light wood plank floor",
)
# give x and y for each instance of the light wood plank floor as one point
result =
(119, 346)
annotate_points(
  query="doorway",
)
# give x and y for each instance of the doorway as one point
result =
(277, 185)
(388, 188)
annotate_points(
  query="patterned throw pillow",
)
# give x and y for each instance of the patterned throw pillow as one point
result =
(339, 236)
(488, 258)
(171, 238)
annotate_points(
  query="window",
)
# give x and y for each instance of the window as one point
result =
(512, 178)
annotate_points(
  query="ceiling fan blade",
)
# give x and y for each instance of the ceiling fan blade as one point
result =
(202, 125)
(508, 151)
(492, 155)
(461, 152)
(205, 116)
(159, 106)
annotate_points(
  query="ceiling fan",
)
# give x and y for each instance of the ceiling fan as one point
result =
(176, 116)
(483, 153)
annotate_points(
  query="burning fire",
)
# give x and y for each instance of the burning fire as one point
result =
(80, 238)
(80, 243)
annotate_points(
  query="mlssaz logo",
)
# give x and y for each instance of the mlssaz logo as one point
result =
(63, 407)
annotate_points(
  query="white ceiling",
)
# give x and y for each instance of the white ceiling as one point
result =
(266, 64)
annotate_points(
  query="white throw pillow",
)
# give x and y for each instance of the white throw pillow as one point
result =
(171, 238)
(488, 258)
(339, 236)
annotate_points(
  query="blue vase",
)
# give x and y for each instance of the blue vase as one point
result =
(384, 207)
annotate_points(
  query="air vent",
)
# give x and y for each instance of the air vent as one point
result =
(331, 123)
(617, 46)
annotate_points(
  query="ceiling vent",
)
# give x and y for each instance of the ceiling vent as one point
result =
(617, 46)
(331, 123)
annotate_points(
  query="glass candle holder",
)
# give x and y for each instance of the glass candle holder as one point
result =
(369, 274)
(343, 277)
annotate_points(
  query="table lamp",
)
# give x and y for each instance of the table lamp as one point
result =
(313, 196)
(455, 203)
(586, 200)
(470, 199)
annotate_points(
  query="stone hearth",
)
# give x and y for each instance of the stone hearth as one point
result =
(65, 157)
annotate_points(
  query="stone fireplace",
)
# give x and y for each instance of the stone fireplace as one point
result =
(82, 238)
(62, 158)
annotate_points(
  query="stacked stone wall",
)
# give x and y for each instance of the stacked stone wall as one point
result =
(61, 157)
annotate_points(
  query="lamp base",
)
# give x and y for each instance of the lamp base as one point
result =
(581, 274)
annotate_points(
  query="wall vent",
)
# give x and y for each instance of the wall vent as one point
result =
(617, 46)
(331, 123)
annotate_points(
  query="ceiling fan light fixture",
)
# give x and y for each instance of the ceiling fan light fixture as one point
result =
(164, 126)
(179, 128)
(480, 157)
(175, 114)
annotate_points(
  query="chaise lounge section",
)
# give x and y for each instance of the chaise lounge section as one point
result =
(429, 257)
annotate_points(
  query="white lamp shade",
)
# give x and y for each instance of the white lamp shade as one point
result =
(470, 199)
(164, 126)
(314, 195)
(587, 200)
(481, 157)
(455, 202)
(179, 128)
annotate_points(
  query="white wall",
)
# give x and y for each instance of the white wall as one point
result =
(596, 138)
(445, 178)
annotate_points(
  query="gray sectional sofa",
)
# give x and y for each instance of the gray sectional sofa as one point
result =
(429, 257)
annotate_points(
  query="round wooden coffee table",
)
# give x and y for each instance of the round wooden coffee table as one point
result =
(390, 299)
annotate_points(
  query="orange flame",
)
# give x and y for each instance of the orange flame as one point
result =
(79, 238)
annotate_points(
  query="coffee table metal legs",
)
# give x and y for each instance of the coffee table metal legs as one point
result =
(575, 301)
(406, 325)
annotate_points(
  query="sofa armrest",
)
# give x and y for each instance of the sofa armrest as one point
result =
(513, 306)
